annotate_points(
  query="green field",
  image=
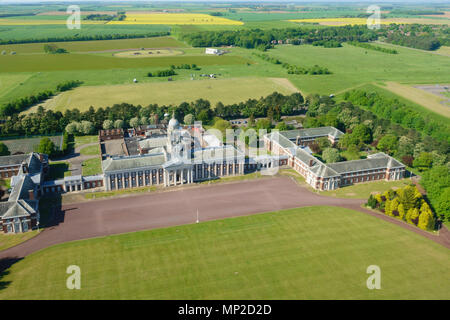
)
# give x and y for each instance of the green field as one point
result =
(99, 45)
(353, 66)
(173, 92)
(307, 253)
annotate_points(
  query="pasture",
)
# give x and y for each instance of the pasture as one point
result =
(306, 253)
(99, 45)
(174, 92)
(354, 66)
(75, 61)
(149, 53)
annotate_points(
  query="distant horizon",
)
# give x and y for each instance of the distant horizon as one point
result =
(237, 1)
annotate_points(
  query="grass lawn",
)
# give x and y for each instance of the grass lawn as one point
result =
(92, 167)
(80, 140)
(363, 190)
(58, 170)
(353, 66)
(90, 150)
(11, 240)
(174, 92)
(306, 253)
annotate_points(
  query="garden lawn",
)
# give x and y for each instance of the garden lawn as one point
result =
(305, 253)
(92, 167)
(90, 150)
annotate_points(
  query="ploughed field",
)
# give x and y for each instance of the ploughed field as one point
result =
(307, 253)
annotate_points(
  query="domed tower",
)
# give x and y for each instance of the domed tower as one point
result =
(172, 128)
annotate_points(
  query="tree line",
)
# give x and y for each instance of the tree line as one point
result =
(372, 47)
(293, 69)
(79, 37)
(261, 39)
(400, 113)
(47, 121)
(22, 104)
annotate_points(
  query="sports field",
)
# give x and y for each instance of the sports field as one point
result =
(307, 253)
(174, 92)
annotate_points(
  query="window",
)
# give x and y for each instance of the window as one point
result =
(25, 226)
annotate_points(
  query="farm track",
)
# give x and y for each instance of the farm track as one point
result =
(143, 212)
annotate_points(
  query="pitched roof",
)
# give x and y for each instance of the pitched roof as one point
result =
(372, 162)
(133, 162)
(13, 160)
(312, 132)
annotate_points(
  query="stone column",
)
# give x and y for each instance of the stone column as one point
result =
(182, 176)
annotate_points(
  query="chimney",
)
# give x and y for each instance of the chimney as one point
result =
(41, 157)
(31, 194)
(24, 167)
(311, 162)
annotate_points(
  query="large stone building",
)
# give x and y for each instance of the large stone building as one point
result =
(173, 159)
(330, 176)
(21, 213)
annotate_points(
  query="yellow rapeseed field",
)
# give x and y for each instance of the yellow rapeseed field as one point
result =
(175, 18)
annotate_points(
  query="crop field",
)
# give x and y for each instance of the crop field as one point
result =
(40, 31)
(65, 62)
(9, 81)
(99, 45)
(363, 21)
(305, 253)
(174, 92)
(175, 18)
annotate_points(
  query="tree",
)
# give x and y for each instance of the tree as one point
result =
(188, 119)
(388, 143)
(401, 212)
(108, 124)
(372, 202)
(144, 121)
(330, 155)
(424, 161)
(134, 122)
(72, 128)
(4, 150)
(426, 218)
(118, 124)
(86, 127)
(46, 146)
(362, 134)
(412, 216)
